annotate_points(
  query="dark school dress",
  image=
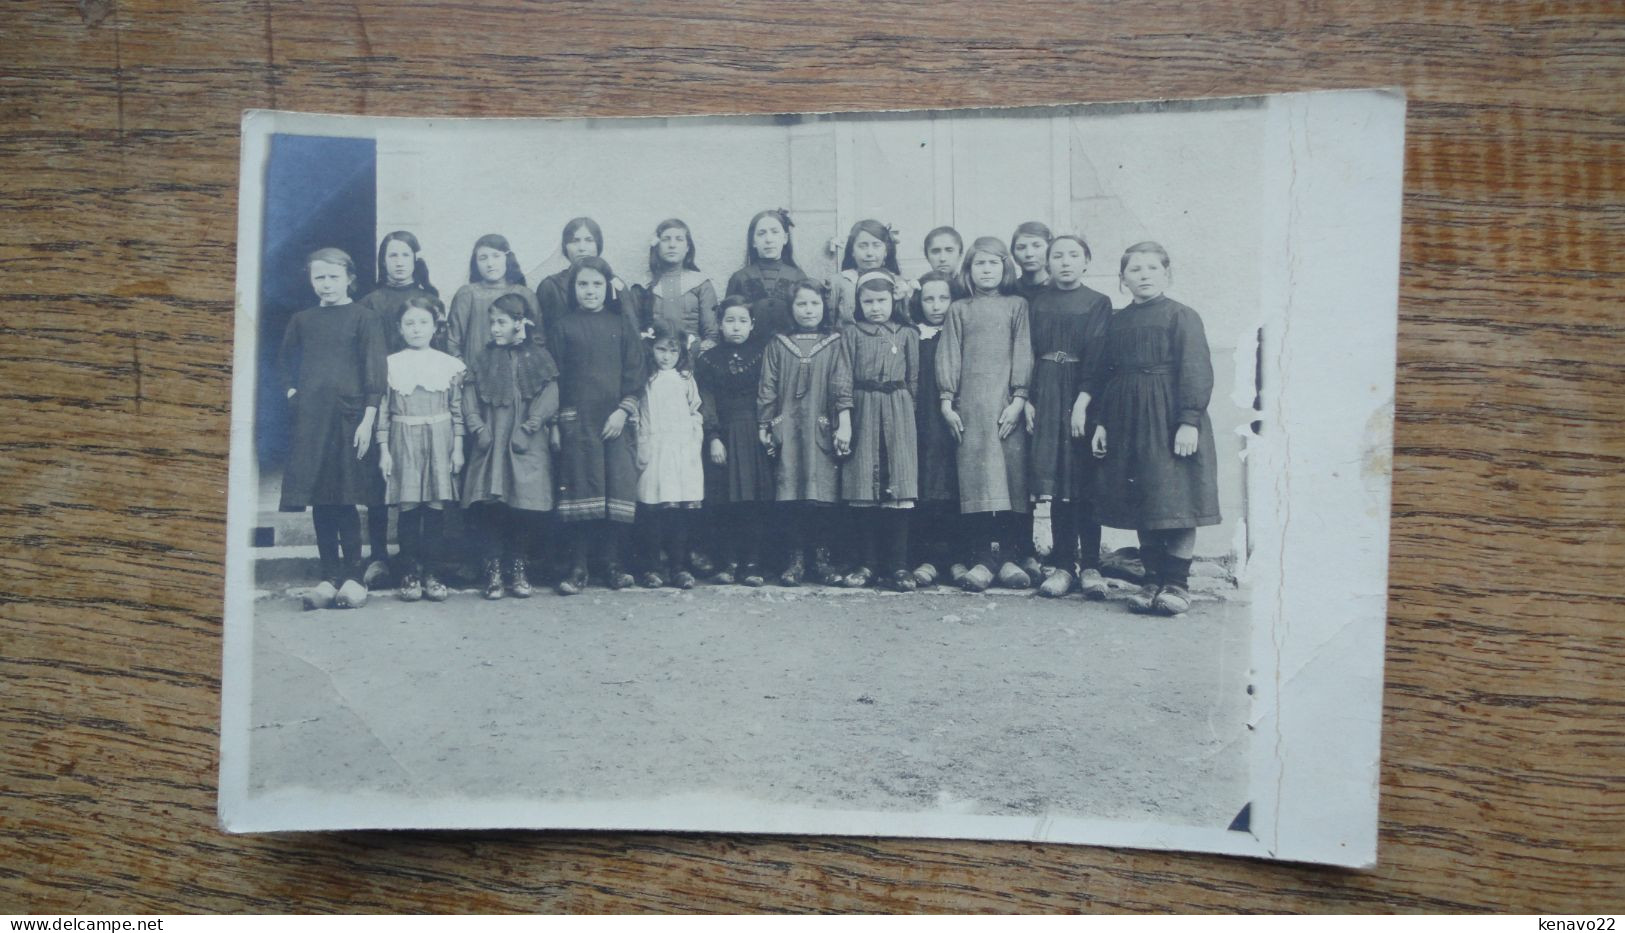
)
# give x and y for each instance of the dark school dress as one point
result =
(935, 449)
(806, 384)
(885, 361)
(1029, 287)
(327, 357)
(729, 376)
(1153, 374)
(1065, 326)
(769, 287)
(551, 298)
(601, 368)
(384, 305)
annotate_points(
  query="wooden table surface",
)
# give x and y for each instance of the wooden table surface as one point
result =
(1504, 722)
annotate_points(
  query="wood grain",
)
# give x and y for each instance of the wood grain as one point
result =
(1505, 714)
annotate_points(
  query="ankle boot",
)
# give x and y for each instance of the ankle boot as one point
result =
(411, 587)
(492, 571)
(796, 571)
(434, 590)
(518, 581)
(824, 570)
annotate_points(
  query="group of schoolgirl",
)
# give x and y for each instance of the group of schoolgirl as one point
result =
(884, 431)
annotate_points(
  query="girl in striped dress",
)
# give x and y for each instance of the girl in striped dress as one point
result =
(870, 247)
(420, 445)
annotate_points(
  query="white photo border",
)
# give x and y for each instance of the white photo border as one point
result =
(1323, 457)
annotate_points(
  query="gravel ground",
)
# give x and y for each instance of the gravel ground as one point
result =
(1000, 703)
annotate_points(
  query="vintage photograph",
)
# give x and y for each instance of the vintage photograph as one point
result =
(987, 474)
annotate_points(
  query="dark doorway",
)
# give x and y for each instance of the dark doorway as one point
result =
(319, 191)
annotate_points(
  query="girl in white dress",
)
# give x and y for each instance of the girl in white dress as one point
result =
(671, 478)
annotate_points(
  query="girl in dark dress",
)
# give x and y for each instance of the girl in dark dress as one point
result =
(1067, 321)
(944, 249)
(1157, 469)
(739, 475)
(601, 374)
(1029, 247)
(935, 521)
(582, 238)
(333, 386)
(769, 276)
(402, 276)
(880, 481)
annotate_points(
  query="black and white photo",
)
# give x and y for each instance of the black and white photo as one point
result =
(1010, 474)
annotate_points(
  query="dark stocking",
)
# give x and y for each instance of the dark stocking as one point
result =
(896, 544)
(674, 538)
(1063, 529)
(1088, 537)
(980, 532)
(492, 518)
(520, 533)
(327, 539)
(870, 533)
(580, 537)
(612, 535)
(431, 538)
(349, 527)
(409, 534)
(1014, 531)
(835, 528)
(647, 537)
(378, 531)
(742, 529)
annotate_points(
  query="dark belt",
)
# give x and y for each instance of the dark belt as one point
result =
(1160, 370)
(1060, 356)
(870, 385)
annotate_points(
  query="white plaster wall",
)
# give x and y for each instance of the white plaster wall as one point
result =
(524, 183)
(1190, 179)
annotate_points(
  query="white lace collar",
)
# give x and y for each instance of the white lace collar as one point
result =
(410, 370)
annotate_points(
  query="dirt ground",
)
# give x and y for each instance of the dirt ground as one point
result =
(1000, 703)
